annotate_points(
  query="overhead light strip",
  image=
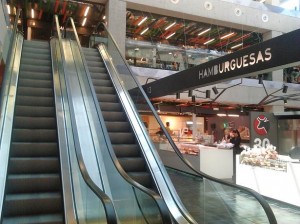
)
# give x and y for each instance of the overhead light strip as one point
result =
(170, 35)
(86, 11)
(236, 46)
(32, 13)
(142, 21)
(204, 31)
(227, 35)
(145, 30)
(170, 26)
(209, 41)
(84, 21)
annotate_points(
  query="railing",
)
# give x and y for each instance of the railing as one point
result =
(140, 98)
(8, 98)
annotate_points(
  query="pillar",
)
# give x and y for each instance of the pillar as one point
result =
(278, 74)
(116, 22)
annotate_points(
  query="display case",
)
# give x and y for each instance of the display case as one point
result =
(272, 175)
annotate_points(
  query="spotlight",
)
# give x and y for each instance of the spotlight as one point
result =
(207, 93)
(285, 101)
(215, 90)
(284, 88)
(190, 93)
(260, 79)
(177, 96)
(193, 99)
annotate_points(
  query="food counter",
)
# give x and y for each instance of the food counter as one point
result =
(210, 160)
(277, 178)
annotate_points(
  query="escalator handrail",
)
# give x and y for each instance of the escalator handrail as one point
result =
(261, 200)
(8, 97)
(175, 205)
(158, 200)
(107, 203)
(8, 67)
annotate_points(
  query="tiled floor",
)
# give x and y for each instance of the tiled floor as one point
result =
(212, 203)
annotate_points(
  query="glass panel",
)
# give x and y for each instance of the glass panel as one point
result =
(89, 207)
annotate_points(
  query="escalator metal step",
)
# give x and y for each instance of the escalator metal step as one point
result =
(94, 62)
(32, 204)
(107, 98)
(35, 219)
(40, 101)
(33, 165)
(126, 150)
(122, 138)
(105, 90)
(36, 62)
(28, 91)
(95, 75)
(34, 122)
(32, 183)
(102, 82)
(35, 83)
(97, 69)
(34, 149)
(144, 178)
(35, 68)
(36, 75)
(110, 106)
(34, 111)
(118, 126)
(113, 116)
(34, 135)
(34, 56)
(132, 164)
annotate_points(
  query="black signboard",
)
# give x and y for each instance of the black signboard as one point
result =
(279, 52)
(263, 129)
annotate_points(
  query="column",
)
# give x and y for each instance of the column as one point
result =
(116, 22)
(194, 119)
(275, 76)
(278, 74)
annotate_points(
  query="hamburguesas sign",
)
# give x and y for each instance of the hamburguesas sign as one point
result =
(277, 53)
(237, 63)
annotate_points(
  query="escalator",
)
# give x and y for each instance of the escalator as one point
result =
(120, 132)
(33, 187)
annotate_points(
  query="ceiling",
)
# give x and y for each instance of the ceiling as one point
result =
(160, 28)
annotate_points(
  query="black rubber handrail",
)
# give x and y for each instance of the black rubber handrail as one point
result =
(260, 199)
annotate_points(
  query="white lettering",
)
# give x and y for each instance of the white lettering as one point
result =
(245, 60)
(259, 57)
(221, 68)
(232, 64)
(268, 54)
(226, 66)
(239, 62)
(252, 59)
